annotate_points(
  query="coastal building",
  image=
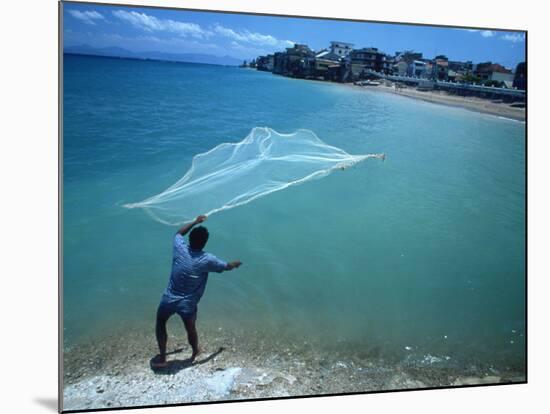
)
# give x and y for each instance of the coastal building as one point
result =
(461, 67)
(408, 56)
(493, 71)
(368, 58)
(429, 67)
(440, 68)
(400, 68)
(289, 63)
(504, 77)
(326, 64)
(339, 72)
(453, 76)
(341, 63)
(317, 67)
(270, 63)
(340, 49)
(265, 63)
(459, 71)
(417, 68)
(278, 63)
(520, 77)
(389, 63)
(328, 54)
(294, 55)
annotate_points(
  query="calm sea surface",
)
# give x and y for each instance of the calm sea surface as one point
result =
(425, 250)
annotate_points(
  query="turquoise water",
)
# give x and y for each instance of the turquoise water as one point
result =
(425, 250)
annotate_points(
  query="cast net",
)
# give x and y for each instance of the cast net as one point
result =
(234, 174)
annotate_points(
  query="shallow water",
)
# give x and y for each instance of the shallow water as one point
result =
(425, 250)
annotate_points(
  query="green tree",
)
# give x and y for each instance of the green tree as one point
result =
(470, 78)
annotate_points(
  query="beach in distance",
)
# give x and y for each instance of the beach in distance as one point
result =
(406, 273)
(489, 106)
(493, 107)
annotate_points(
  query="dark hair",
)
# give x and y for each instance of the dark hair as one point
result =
(198, 238)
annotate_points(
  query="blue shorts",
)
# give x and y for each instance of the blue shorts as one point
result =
(181, 307)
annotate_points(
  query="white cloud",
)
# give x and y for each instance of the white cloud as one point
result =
(143, 43)
(237, 45)
(484, 33)
(88, 17)
(177, 42)
(257, 39)
(151, 24)
(487, 33)
(514, 37)
(510, 37)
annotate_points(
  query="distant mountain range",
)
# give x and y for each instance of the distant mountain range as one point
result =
(172, 57)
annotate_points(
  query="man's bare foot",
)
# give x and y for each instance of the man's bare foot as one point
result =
(159, 362)
(195, 354)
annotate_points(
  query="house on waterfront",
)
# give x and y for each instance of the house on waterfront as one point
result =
(453, 76)
(389, 63)
(317, 67)
(400, 68)
(440, 68)
(293, 58)
(278, 63)
(341, 63)
(408, 56)
(458, 71)
(400, 63)
(364, 60)
(289, 63)
(506, 78)
(340, 49)
(418, 69)
(489, 71)
(461, 67)
(265, 63)
(327, 64)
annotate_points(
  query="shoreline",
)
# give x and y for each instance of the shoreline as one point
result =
(470, 103)
(114, 372)
(480, 105)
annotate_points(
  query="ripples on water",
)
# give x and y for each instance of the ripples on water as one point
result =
(423, 251)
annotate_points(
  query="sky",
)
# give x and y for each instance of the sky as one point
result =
(248, 36)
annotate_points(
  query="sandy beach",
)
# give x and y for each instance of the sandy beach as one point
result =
(115, 371)
(488, 106)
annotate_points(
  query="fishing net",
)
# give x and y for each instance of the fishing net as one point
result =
(234, 174)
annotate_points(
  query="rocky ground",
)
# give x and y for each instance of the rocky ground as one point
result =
(115, 371)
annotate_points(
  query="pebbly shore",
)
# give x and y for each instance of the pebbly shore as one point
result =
(115, 371)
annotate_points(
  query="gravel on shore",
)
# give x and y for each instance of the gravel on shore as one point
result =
(115, 371)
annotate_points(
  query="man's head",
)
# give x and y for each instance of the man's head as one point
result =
(198, 238)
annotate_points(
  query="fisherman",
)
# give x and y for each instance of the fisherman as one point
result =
(190, 268)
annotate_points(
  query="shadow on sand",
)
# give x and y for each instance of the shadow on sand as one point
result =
(176, 365)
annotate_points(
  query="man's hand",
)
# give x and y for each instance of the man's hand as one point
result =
(233, 265)
(185, 229)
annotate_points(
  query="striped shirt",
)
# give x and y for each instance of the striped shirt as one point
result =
(189, 274)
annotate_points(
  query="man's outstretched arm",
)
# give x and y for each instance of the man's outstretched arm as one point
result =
(185, 229)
